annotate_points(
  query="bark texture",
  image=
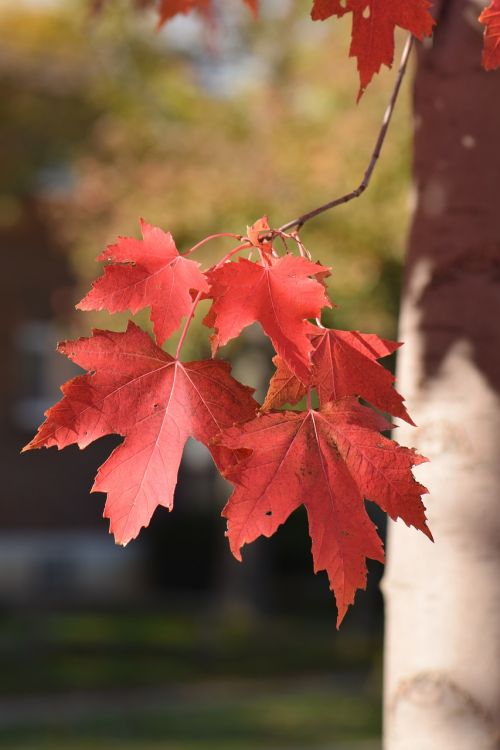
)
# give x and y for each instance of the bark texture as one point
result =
(442, 671)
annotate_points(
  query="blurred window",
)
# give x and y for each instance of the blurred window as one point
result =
(38, 372)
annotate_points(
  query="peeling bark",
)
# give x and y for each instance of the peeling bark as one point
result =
(442, 676)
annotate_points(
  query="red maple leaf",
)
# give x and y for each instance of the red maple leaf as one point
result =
(280, 295)
(329, 461)
(373, 24)
(490, 17)
(155, 402)
(344, 364)
(170, 8)
(147, 273)
(258, 235)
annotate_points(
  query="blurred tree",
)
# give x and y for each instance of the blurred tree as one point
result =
(117, 122)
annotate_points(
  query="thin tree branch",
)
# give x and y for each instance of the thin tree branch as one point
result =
(301, 220)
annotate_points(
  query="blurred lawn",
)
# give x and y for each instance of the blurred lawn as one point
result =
(53, 652)
(79, 680)
(286, 716)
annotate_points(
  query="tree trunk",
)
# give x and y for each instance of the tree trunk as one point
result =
(442, 670)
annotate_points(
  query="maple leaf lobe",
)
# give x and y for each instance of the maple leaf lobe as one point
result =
(281, 296)
(136, 390)
(343, 364)
(329, 461)
(373, 25)
(147, 273)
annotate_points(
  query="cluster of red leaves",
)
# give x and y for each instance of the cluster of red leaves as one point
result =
(373, 26)
(330, 458)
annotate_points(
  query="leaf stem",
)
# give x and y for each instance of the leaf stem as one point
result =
(199, 295)
(301, 220)
(212, 237)
(309, 399)
(187, 324)
(232, 252)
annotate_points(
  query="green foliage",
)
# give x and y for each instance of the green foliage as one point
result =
(197, 684)
(108, 104)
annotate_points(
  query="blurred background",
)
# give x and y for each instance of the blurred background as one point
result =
(170, 643)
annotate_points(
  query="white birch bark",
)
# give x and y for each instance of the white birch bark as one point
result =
(442, 658)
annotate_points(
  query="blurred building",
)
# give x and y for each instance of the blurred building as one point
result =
(52, 541)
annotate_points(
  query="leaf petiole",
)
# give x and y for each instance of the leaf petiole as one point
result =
(232, 252)
(212, 237)
(223, 260)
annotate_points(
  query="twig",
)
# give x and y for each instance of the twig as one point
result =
(301, 220)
